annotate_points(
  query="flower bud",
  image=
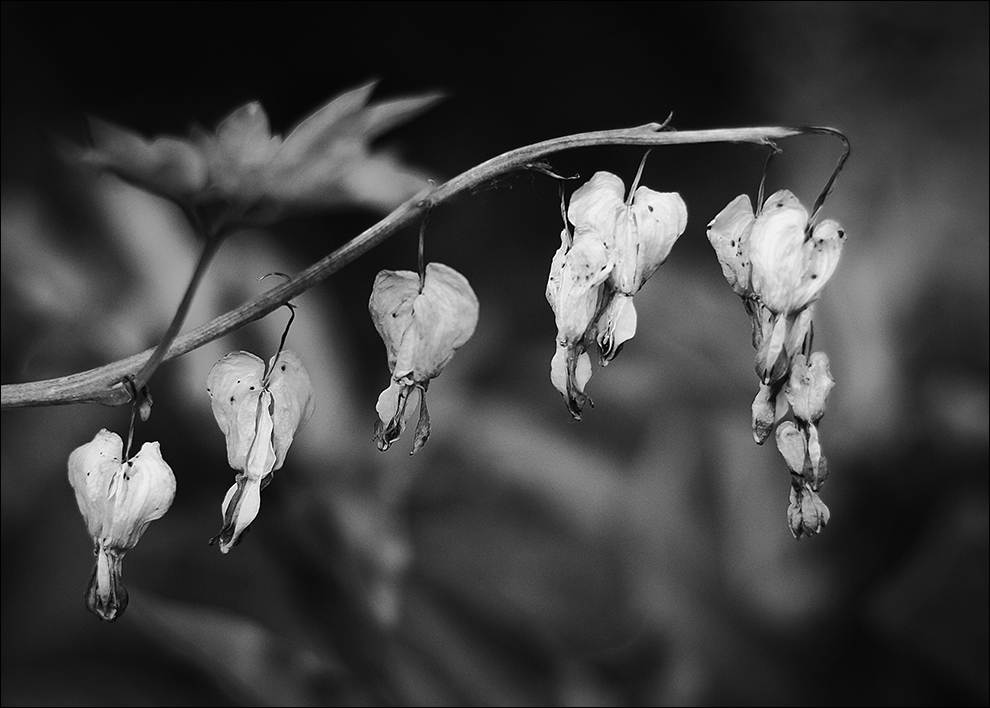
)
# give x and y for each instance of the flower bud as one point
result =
(793, 447)
(808, 386)
(764, 413)
(117, 501)
(806, 513)
(422, 324)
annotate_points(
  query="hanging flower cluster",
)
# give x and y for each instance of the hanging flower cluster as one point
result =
(259, 409)
(777, 261)
(422, 321)
(616, 245)
(117, 500)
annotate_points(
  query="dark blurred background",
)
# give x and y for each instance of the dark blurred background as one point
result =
(640, 556)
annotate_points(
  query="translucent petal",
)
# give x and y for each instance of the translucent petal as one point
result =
(729, 234)
(776, 251)
(616, 326)
(659, 218)
(293, 400)
(91, 469)
(144, 491)
(586, 268)
(596, 205)
(792, 446)
(235, 385)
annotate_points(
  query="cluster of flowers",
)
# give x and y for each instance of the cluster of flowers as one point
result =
(616, 245)
(777, 260)
(259, 409)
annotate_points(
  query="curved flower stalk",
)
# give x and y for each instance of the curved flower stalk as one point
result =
(259, 412)
(617, 244)
(422, 323)
(778, 263)
(117, 501)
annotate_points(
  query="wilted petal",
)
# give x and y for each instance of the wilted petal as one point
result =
(645, 232)
(570, 371)
(616, 326)
(764, 413)
(597, 204)
(106, 596)
(586, 266)
(240, 508)
(235, 385)
(91, 468)
(817, 471)
(293, 400)
(141, 492)
(557, 269)
(729, 234)
(395, 407)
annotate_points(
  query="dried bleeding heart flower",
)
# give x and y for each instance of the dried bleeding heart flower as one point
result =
(778, 262)
(422, 322)
(617, 244)
(117, 499)
(259, 412)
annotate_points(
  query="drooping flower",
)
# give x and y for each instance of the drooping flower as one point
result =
(259, 409)
(422, 323)
(117, 501)
(778, 263)
(617, 244)
(575, 293)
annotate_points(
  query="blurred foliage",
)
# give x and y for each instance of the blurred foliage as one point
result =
(641, 556)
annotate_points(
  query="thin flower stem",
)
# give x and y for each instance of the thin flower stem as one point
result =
(160, 352)
(103, 384)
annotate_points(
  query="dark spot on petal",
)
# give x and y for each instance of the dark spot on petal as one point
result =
(231, 399)
(283, 367)
(814, 275)
(649, 207)
(842, 234)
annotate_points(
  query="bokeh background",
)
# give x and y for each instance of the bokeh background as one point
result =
(640, 556)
